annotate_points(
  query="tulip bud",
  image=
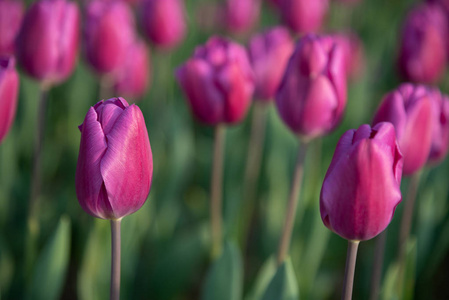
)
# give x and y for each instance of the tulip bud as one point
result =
(240, 15)
(9, 87)
(354, 58)
(115, 164)
(440, 132)
(131, 80)
(409, 109)
(11, 15)
(269, 53)
(361, 188)
(163, 22)
(304, 15)
(312, 95)
(108, 33)
(218, 82)
(422, 56)
(47, 44)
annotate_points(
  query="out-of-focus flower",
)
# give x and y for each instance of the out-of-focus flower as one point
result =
(240, 15)
(312, 95)
(163, 22)
(269, 53)
(218, 82)
(115, 163)
(108, 33)
(47, 44)
(304, 15)
(9, 87)
(422, 55)
(440, 133)
(353, 53)
(409, 109)
(362, 185)
(132, 79)
(11, 15)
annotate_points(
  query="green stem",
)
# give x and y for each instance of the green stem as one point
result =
(115, 259)
(348, 282)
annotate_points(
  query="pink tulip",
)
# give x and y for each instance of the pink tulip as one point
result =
(240, 15)
(163, 22)
(312, 95)
(409, 109)
(353, 52)
(361, 188)
(304, 15)
(132, 79)
(47, 44)
(269, 53)
(218, 82)
(422, 56)
(9, 88)
(115, 163)
(440, 133)
(108, 33)
(11, 15)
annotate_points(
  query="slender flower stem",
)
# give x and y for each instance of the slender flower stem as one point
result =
(115, 259)
(378, 262)
(216, 190)
(284, 243)
(351, 257)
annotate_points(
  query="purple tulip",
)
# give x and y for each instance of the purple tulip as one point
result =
(440, 133)
(108, 33)
(133, 77)
(304, 15)
(361, 188)
(422, 56)
(353, 53)
(163, 22)
(11, 15)
(9, 87)
(240, 15)
(47, 44)
(409, 108)
(115, 164)
(269, 53)
(218, 82)
(312, 95)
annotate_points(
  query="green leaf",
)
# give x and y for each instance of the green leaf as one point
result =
(283, 286)
(264, 277)
(51, 267)
(225, 278)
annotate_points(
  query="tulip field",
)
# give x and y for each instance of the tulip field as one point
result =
(224, 149)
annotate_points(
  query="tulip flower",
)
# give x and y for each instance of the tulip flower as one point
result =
(240, 15)
(108, 33)
(422, 55)
(163, 22)
(409, 108)
(303, 15)
(354, 58)
(9, 88)
(47, 44)
(312, 95)
(440, 132)
(269, 53)
(11, 15)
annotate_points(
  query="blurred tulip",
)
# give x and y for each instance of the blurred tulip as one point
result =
(304, 15)
(115, 163)
(361, 188)
(240, 15)
(163, 22)
(218, 82)
(11, 15)
(9, 87)
(108, 33)
(353, 53)
(409, 109)
(312, 95)
(422, 56)
(440, 133)
(269, 53)
(131, 80)
(47, 44)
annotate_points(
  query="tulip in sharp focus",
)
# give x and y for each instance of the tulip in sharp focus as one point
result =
(422, 56)
(218, 82)
(240, 15)
(440, 132)
(269, 53)
(108, 33)
(361, 188)
(312, 95)
(304, 15)
(115, 164)
(47, 44)
(9, 87)
(11, 15)
(163, 22)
